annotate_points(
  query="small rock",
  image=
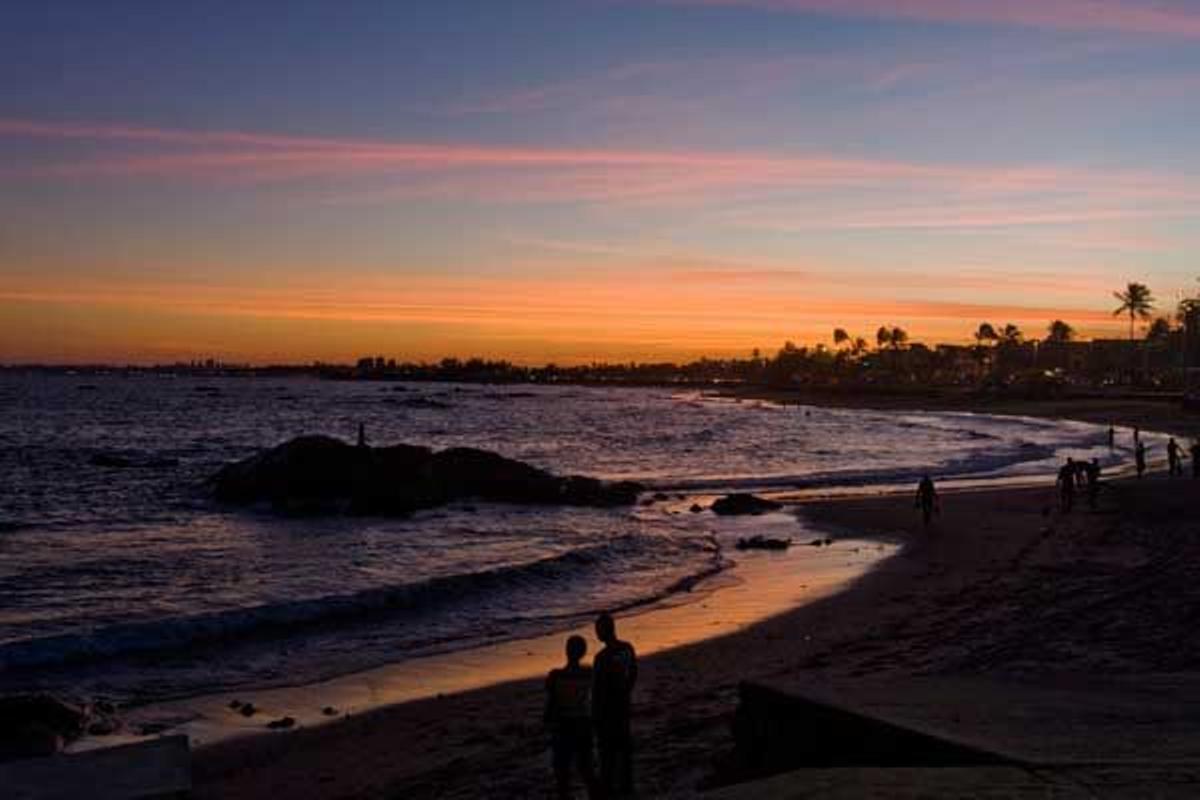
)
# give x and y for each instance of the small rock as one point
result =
(282, 724)
(740, 504)
(248, 710)
(696, 508)
(329, 711)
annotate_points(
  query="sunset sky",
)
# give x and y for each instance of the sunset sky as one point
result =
(572, 180)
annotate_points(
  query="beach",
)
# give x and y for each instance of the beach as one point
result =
(1001, 585)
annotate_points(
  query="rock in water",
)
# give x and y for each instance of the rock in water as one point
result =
(322, 475)
(763, 543)
(739, 504)
(37, 725)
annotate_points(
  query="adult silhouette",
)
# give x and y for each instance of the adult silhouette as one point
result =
(615, 670)
(568, 715)
(927, 499)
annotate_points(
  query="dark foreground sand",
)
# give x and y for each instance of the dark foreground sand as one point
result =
(1002, 585)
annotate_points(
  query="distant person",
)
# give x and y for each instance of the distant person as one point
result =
(1137, 436)
(616, 670)
(1174, 458)
(1092, 470)
(927, 499)
(1112, 437)
(1066, 486)
(362, 435)
(1139, 457)
(1195, 458)
(568, 715)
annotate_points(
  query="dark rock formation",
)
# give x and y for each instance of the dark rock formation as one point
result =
(37, 725)
(763, 543)
(321, 475)
(737, 504)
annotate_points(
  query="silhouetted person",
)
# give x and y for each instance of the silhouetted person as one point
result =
(1195, 458)
(1137, 436)
(1112, 437)
(1139, 457)
(1092, 469)
(615, 669)
(1066, 485)
(568, 715)
(1174, 458)
(927, 499)
(362, 435)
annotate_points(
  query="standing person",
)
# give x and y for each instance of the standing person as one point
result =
(616, 670)
(1174, 458)
(1066, 486)
(1092, 469)
(568, 715)
(1139, 457)
(1112, 437)
(1196, 458)
(1137, 436)
(927, 499)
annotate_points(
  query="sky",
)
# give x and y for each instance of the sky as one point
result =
(579, 180)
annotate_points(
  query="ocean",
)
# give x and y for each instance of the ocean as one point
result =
(120, 577)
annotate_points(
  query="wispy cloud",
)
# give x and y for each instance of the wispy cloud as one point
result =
(1177, 19)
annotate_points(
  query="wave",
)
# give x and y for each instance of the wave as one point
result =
(277, 619)
(978, 465)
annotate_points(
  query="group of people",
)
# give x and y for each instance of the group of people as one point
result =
(586, 705)
(1078, 475)
(1175, 454)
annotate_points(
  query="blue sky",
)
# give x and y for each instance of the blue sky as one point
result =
(584, 178)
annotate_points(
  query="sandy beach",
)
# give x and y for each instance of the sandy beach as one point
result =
(1002, 584)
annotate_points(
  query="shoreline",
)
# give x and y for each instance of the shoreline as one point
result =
(489, 739)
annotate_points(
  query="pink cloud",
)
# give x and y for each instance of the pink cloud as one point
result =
(1175, 19)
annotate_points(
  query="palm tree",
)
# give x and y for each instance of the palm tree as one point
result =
(1060, 331)
(859, 346)
(1136, 301)
(1011, 334)
(898, 337)
(986, 333)
(883, 336)
(840, 337)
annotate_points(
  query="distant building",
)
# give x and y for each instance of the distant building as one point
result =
(1070, 357)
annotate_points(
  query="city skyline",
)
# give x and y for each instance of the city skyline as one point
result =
(585, 180)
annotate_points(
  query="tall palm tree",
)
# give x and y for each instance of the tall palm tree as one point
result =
(1011, 334)
(898, 338)
(840, 337)
(1136, 301)
(883, 336)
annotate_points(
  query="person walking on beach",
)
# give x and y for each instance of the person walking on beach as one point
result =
(1139, 457)
(615, 669)
(568, 715)
(1112, 437)
(1066, 486)
(927, 499)
(1174, 458)
(1092, 469)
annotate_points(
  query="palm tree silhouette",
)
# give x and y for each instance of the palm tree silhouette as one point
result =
(1136, 301)
(883, 336)
(1060, 331)
(840, 337)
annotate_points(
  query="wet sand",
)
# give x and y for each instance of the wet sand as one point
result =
(1001, 585)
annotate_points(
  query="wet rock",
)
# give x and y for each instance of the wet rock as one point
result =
(282, 724)
(742, 504)
(329, 711)
(763, 543)
(661, 496)
(696, 508)
(37, 725)
(322, 475)
(248, 710)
